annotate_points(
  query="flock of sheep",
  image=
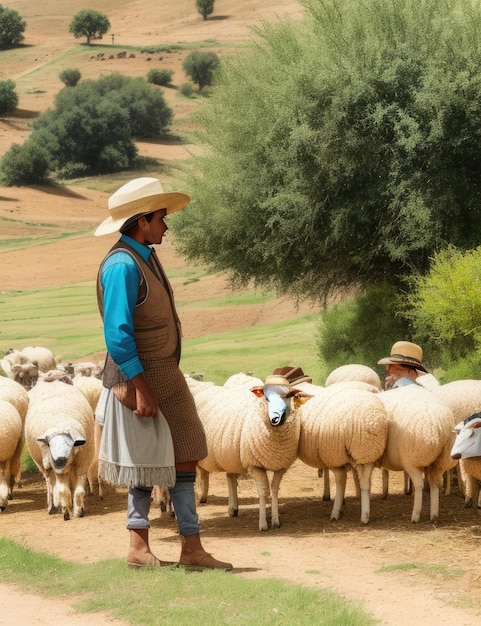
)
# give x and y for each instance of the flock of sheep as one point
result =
(253, 427)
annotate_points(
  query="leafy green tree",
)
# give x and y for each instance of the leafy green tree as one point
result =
(70, 76)
(12, 27)
(26, 164)
(90, 24)
(205, 7)
(343, 149)
(200, 67)
(91, 128)
(8, 97)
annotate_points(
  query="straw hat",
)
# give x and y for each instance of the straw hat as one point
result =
(287, 376)
(139, 197)
(405, 353)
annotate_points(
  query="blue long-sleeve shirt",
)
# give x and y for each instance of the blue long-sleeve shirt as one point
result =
(120, 283)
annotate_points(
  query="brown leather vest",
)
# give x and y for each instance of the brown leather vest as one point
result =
(156, 324)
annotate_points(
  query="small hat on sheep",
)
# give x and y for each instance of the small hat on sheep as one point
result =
(405, 353)
(287, 375)
(139, 197)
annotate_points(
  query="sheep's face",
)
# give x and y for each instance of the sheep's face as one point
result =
(468, 438)
(62, 447)
(277, 407)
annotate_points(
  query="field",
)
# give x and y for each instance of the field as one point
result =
(403, 573)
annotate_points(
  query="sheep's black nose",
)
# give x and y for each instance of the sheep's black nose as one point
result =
(456, 456)
(60, 462)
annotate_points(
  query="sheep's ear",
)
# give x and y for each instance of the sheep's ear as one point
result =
(43, 439)
(78, 440)
(258, 391)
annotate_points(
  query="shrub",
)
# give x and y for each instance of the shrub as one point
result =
(186, 89)
(200, 67)
(205, 7)
(11, 28)
(25, 165)
(70, 77)
(8, 97)
(160, 77)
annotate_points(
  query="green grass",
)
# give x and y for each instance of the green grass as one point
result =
(433, 571)
(66, 320)
(171, 596)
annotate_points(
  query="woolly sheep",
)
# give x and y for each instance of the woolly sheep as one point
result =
(419, 441)
(242, 440)
(17, 395)
(43, 357)
(92, 388)
(354, 372)
(88, 369)
(344, 426)
(59, 436)
(25, 373)
(11, 445)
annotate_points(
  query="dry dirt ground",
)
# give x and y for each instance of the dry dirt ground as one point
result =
(308, 549)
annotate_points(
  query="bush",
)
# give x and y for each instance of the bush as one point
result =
(186, 89)
(25, 165)
(11, 28)
(70, 77)
(160, 77)
(362, 330)
(8, 97)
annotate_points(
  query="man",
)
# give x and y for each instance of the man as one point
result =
(143, 338)
(404, 365)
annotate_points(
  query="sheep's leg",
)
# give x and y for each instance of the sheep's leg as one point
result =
(232, 492)
(4, 484)
(50, 482)
(324, 474)
(356, 482)
(385, 482)
(204, 484)
(262, 483)
(63, 495)
(16, 467)
(417, 480)
(407, 489)
(340, 477)
(364, 474)
(275, 483)
(79, 496)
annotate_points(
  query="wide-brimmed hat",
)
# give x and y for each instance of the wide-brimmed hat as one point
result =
(139, 197)
(405, 353)
(288, 376)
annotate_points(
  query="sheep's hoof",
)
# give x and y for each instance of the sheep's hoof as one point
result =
(326, 498)
(66, 515)
(52, 511)
(469, 503)
(233, 512)
(81, 512)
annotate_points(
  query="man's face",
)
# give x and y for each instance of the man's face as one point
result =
(156, 228)
(395, 371)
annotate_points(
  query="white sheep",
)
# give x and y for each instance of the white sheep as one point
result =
(242, 439)
(11, 445)
(41, 356)
(88, 368)
(344, 426)
(25, 373)
(419, 441)
(354, 372)
(59, 435)
(17, 395)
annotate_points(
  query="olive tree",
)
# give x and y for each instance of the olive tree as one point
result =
(200, 67)
(342, 150)
(90, 24)
(12, 27)
(205, 7)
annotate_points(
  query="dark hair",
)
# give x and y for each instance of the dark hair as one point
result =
(132, 221)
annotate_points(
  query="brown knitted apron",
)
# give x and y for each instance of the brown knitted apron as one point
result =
(178, 406)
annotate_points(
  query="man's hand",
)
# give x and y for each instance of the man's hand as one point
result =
(146, 402)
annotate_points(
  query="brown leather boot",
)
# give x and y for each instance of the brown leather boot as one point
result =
(139, 551)
(194, 558)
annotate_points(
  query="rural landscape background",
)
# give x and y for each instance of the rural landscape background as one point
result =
(400, 572)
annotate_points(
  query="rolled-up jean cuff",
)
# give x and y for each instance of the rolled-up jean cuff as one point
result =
(138, 507)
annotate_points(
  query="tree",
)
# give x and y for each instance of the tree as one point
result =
(8, 97)
(205, 7)
(12, 26)
(200, 67)
(91, 128)
(160, 77)
(342, 150)
(70, 76)
(25, 165)
(90, 24)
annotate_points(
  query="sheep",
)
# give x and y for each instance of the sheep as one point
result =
(59, 436)
(242, 439)
(42, 357)
(244, 379)
(419, 441)
(17, 395)
(160, 498)
(25, 373)
(342, 427)
(467, 448)
(11, 445)
(88, 369)
(354, 372)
